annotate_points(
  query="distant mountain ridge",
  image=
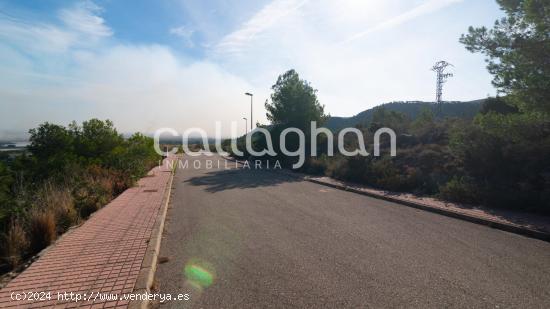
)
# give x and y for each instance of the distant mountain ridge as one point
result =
(412, 109)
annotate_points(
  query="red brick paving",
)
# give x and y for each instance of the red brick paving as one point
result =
(103, 255)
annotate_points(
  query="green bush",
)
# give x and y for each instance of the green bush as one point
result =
(336, 167)
(460, 190)
(6, 181)
(315, 165)
(509, 157)
(384, 174)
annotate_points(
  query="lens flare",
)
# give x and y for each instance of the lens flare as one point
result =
(198, 275)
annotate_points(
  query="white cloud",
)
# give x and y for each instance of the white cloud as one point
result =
(266, 18)
(83, 27)
(184, 33)
(36, 37)
(84, 18)
(419, 11)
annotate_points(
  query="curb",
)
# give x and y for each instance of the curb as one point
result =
(146, 275)
(516, 229)
(512, 228)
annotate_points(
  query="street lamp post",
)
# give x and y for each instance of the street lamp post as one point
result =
(251, 116)
(245, 125)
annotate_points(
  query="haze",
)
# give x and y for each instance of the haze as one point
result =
(184, 64)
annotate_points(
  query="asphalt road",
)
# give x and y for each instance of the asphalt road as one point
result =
(244, 238)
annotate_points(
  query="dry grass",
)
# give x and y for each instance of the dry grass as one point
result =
(95, 189)
(15, 244)
(55, 208)
(42, 229)
(60, 202)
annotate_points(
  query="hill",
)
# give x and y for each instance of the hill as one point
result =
(412, 109)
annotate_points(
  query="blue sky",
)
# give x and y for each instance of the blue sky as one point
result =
(181, 63)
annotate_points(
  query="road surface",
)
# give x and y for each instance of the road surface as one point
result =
(242, 238)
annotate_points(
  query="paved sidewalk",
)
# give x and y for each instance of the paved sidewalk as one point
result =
(104, 255)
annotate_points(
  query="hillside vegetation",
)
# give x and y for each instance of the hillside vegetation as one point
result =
(410, 109)
(66, 175)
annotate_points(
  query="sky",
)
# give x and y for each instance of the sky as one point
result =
(187, 63)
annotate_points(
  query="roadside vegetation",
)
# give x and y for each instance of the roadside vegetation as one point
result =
(66, 174)
(500, 158)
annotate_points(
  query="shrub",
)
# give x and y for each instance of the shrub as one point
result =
(336, 167)
(6, 181)
(94, 190)
(14, 244)
(459, 189)
(65, 218)
(316, 165)
(42, 230)
(90, 198)
(60, 202)
(509, 157)
(357, 169)
(384, 174)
